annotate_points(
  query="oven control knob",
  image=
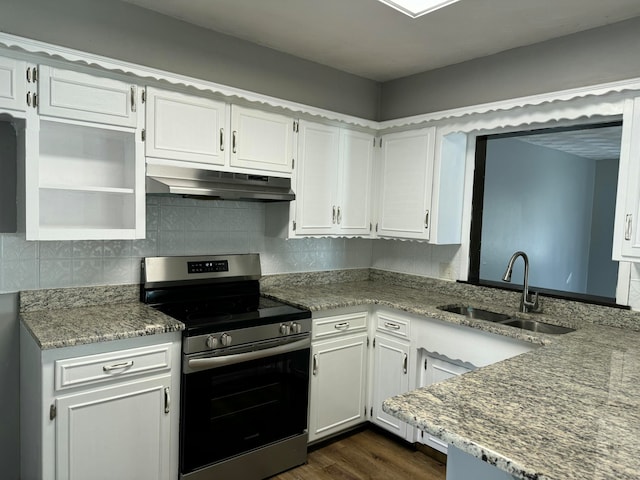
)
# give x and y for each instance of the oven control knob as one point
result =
(285, 329)
(295, 327)
(225, 339)
(212, 342)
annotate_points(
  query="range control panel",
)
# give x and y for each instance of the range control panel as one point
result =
(208, 266)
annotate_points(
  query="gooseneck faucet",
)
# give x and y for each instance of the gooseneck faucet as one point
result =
(529, 302)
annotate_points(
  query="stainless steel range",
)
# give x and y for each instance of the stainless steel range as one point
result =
(245, 366)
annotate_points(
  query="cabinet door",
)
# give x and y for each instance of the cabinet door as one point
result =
(261, 141)
(79, 96)
(116, 432)
(405, 184)
(185, 127)
(626, 237)
(390, 378)
(437, 369)
(338, 385)
(354, 205)
(448, 188)
(317, 178)
(13, 84)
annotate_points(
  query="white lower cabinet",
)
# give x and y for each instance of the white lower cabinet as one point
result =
(390, 378)
(338, 385)
(350, 382)
(437, 368)
(115, 432)
(391, 366)
(100, 411)
(338, 374)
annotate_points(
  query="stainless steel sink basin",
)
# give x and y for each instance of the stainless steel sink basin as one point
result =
(471, 312)
(524, 323)
(535, 326)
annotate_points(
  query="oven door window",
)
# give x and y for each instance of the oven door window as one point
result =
(231, 410)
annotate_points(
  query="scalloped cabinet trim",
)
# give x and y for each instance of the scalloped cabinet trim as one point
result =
(555, 106)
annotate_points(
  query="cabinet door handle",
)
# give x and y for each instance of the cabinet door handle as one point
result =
(117, 366)
(627, 226)
(29, 75)
(167, 400)
(133, 98)
(426, 219)
(234, 143)
(222, 139)
(341, 326)
(333, 217)
(28, 99)
(392, 326)
(339, 216)
(404, 363)
(315, 364)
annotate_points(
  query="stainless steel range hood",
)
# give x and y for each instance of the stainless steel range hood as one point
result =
(216, 184)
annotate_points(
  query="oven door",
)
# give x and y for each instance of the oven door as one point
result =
(244, 399)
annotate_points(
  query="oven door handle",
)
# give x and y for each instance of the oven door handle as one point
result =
(198, 364)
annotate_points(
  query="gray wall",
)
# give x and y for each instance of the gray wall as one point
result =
(540, 201)
(600, 55)
(603, 272)
(9, 388)
(127, 32)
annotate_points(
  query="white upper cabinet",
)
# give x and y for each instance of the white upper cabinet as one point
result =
(448, 187)
(13, 79)
(185, 127)
(79, 96)
(421, 185)
(317, 178)
(406, 167)
(261, 141)
(83, 160)
(626, 237)
(354, 180)
(333, 179)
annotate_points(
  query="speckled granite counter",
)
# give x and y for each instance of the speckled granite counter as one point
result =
(74, 316)
(569, 410)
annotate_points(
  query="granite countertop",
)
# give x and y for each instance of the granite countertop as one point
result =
(568, 410)
(417, 301)
(74, 316)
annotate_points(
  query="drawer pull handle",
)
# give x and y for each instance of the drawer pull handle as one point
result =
(404, 363)
(392, 326)
(117, 366)
(341, 326)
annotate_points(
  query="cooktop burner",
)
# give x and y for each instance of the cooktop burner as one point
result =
(213, 294)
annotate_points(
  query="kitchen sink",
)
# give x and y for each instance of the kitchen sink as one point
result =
(509, 320)
(478, 313)
(535, 326)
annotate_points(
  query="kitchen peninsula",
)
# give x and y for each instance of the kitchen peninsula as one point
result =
(568, 410)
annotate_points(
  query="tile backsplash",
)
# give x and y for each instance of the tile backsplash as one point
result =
(175, 226)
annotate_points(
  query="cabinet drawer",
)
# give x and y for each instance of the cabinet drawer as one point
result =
(393, 325)
(341, 324)
(92, 369)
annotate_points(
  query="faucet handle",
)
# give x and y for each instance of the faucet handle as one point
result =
(531, 302)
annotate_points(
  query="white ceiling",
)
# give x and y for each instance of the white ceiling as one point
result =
(372, 40)
(593, 143)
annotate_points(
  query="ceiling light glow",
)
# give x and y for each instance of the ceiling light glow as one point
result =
(417, 8)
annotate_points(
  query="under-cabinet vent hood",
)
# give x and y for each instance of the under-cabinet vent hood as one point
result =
(215, 184)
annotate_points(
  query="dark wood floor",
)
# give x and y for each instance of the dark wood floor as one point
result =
(367, 454)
